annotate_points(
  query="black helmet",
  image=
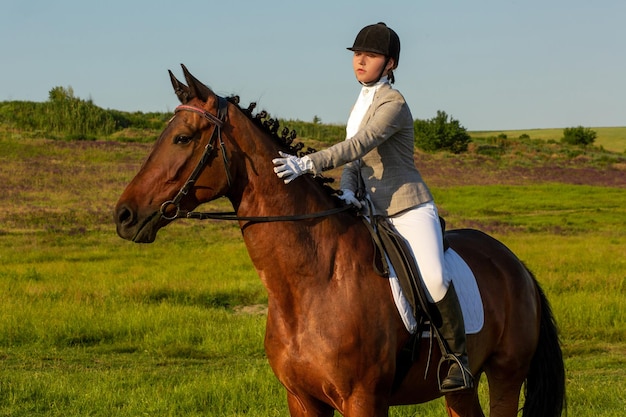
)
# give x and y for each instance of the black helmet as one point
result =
(379, 39)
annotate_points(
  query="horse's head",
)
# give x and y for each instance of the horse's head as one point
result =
(184, 168)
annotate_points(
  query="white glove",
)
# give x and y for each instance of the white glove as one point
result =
(349, 198)
(290, 167)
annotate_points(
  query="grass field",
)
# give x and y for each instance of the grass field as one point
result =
(94, 325)
(610, 138)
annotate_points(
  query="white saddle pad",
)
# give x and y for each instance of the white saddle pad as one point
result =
(466, 289)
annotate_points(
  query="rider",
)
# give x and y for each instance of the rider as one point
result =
(378, 154)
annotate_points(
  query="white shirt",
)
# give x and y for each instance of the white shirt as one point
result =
(363, 102)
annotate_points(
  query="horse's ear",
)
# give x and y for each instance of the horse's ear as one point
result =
(196, 88)
(181, 90)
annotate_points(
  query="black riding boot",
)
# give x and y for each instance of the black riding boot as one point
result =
(453, 331)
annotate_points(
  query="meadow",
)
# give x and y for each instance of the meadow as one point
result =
(610, 138)
(91, 325)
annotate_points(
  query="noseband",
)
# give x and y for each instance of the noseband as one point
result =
(218, 122)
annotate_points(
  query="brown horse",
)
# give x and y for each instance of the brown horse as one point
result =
(333, 334)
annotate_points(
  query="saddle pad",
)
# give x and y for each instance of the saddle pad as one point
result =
(466, 289)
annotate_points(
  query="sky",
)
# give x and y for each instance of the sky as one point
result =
(490, 64)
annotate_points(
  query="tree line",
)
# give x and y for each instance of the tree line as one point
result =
(65, 116)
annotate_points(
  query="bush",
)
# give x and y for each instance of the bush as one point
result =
(327, 133)
(65, 116)
(578, 136)
(439, 133)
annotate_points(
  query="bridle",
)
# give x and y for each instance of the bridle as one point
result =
(216, 136)
(218, 122)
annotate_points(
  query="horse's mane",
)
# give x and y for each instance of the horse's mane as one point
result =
(286, 138)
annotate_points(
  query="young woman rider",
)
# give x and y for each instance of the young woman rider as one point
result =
(378, 154)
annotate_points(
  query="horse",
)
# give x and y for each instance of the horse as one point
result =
(334, 336)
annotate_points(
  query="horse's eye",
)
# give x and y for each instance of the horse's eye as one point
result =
(182, 139)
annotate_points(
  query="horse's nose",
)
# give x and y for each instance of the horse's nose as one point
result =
(124, 216)
(124, 219)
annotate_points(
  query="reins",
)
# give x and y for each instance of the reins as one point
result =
(218, 122)
(262, 219)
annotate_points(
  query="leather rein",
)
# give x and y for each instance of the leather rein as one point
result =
(216, 136)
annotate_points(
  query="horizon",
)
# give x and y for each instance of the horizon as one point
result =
(337, 124)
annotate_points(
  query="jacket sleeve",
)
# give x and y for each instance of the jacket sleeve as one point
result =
(385, 120)
(350, 176)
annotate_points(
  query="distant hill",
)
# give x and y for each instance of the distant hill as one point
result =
(610, 138)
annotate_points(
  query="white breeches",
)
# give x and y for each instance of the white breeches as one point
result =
(421, 228)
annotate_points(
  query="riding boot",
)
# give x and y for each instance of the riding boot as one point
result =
(453, 332)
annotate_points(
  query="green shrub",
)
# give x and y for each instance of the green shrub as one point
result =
(578, 136)
(441, 133)
(327, 133)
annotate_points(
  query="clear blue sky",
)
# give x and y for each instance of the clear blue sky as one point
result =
(493, 64)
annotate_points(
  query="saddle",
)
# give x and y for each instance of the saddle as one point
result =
(390, 245)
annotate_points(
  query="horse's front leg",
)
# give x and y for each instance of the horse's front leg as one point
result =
(353, 407)
(365, 406)
(307, 407)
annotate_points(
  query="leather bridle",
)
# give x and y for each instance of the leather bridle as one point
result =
(218, 122)
(216, 136)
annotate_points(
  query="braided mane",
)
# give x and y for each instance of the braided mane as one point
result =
(286, 138)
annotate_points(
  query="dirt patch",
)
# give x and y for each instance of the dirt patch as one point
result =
(253, 310)
(462, 170)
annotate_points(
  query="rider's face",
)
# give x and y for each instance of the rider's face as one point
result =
(368, 65)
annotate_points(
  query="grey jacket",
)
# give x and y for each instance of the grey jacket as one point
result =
(382, 151)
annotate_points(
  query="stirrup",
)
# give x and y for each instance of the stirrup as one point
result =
(468, 379)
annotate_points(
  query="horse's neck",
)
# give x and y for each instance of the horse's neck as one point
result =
(257, 191)
(286, 254)
(292, 257)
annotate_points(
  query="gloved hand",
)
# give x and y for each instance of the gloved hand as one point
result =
(349, 198)
(290, 167)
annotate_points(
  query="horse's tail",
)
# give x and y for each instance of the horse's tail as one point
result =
(545, 383)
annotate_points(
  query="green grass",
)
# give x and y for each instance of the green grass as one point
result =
(94, 325)
(558, 208)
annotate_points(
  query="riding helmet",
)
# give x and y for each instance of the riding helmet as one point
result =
(379, 39)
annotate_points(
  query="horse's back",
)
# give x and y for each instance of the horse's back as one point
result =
(508, 290)
(489, 258)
